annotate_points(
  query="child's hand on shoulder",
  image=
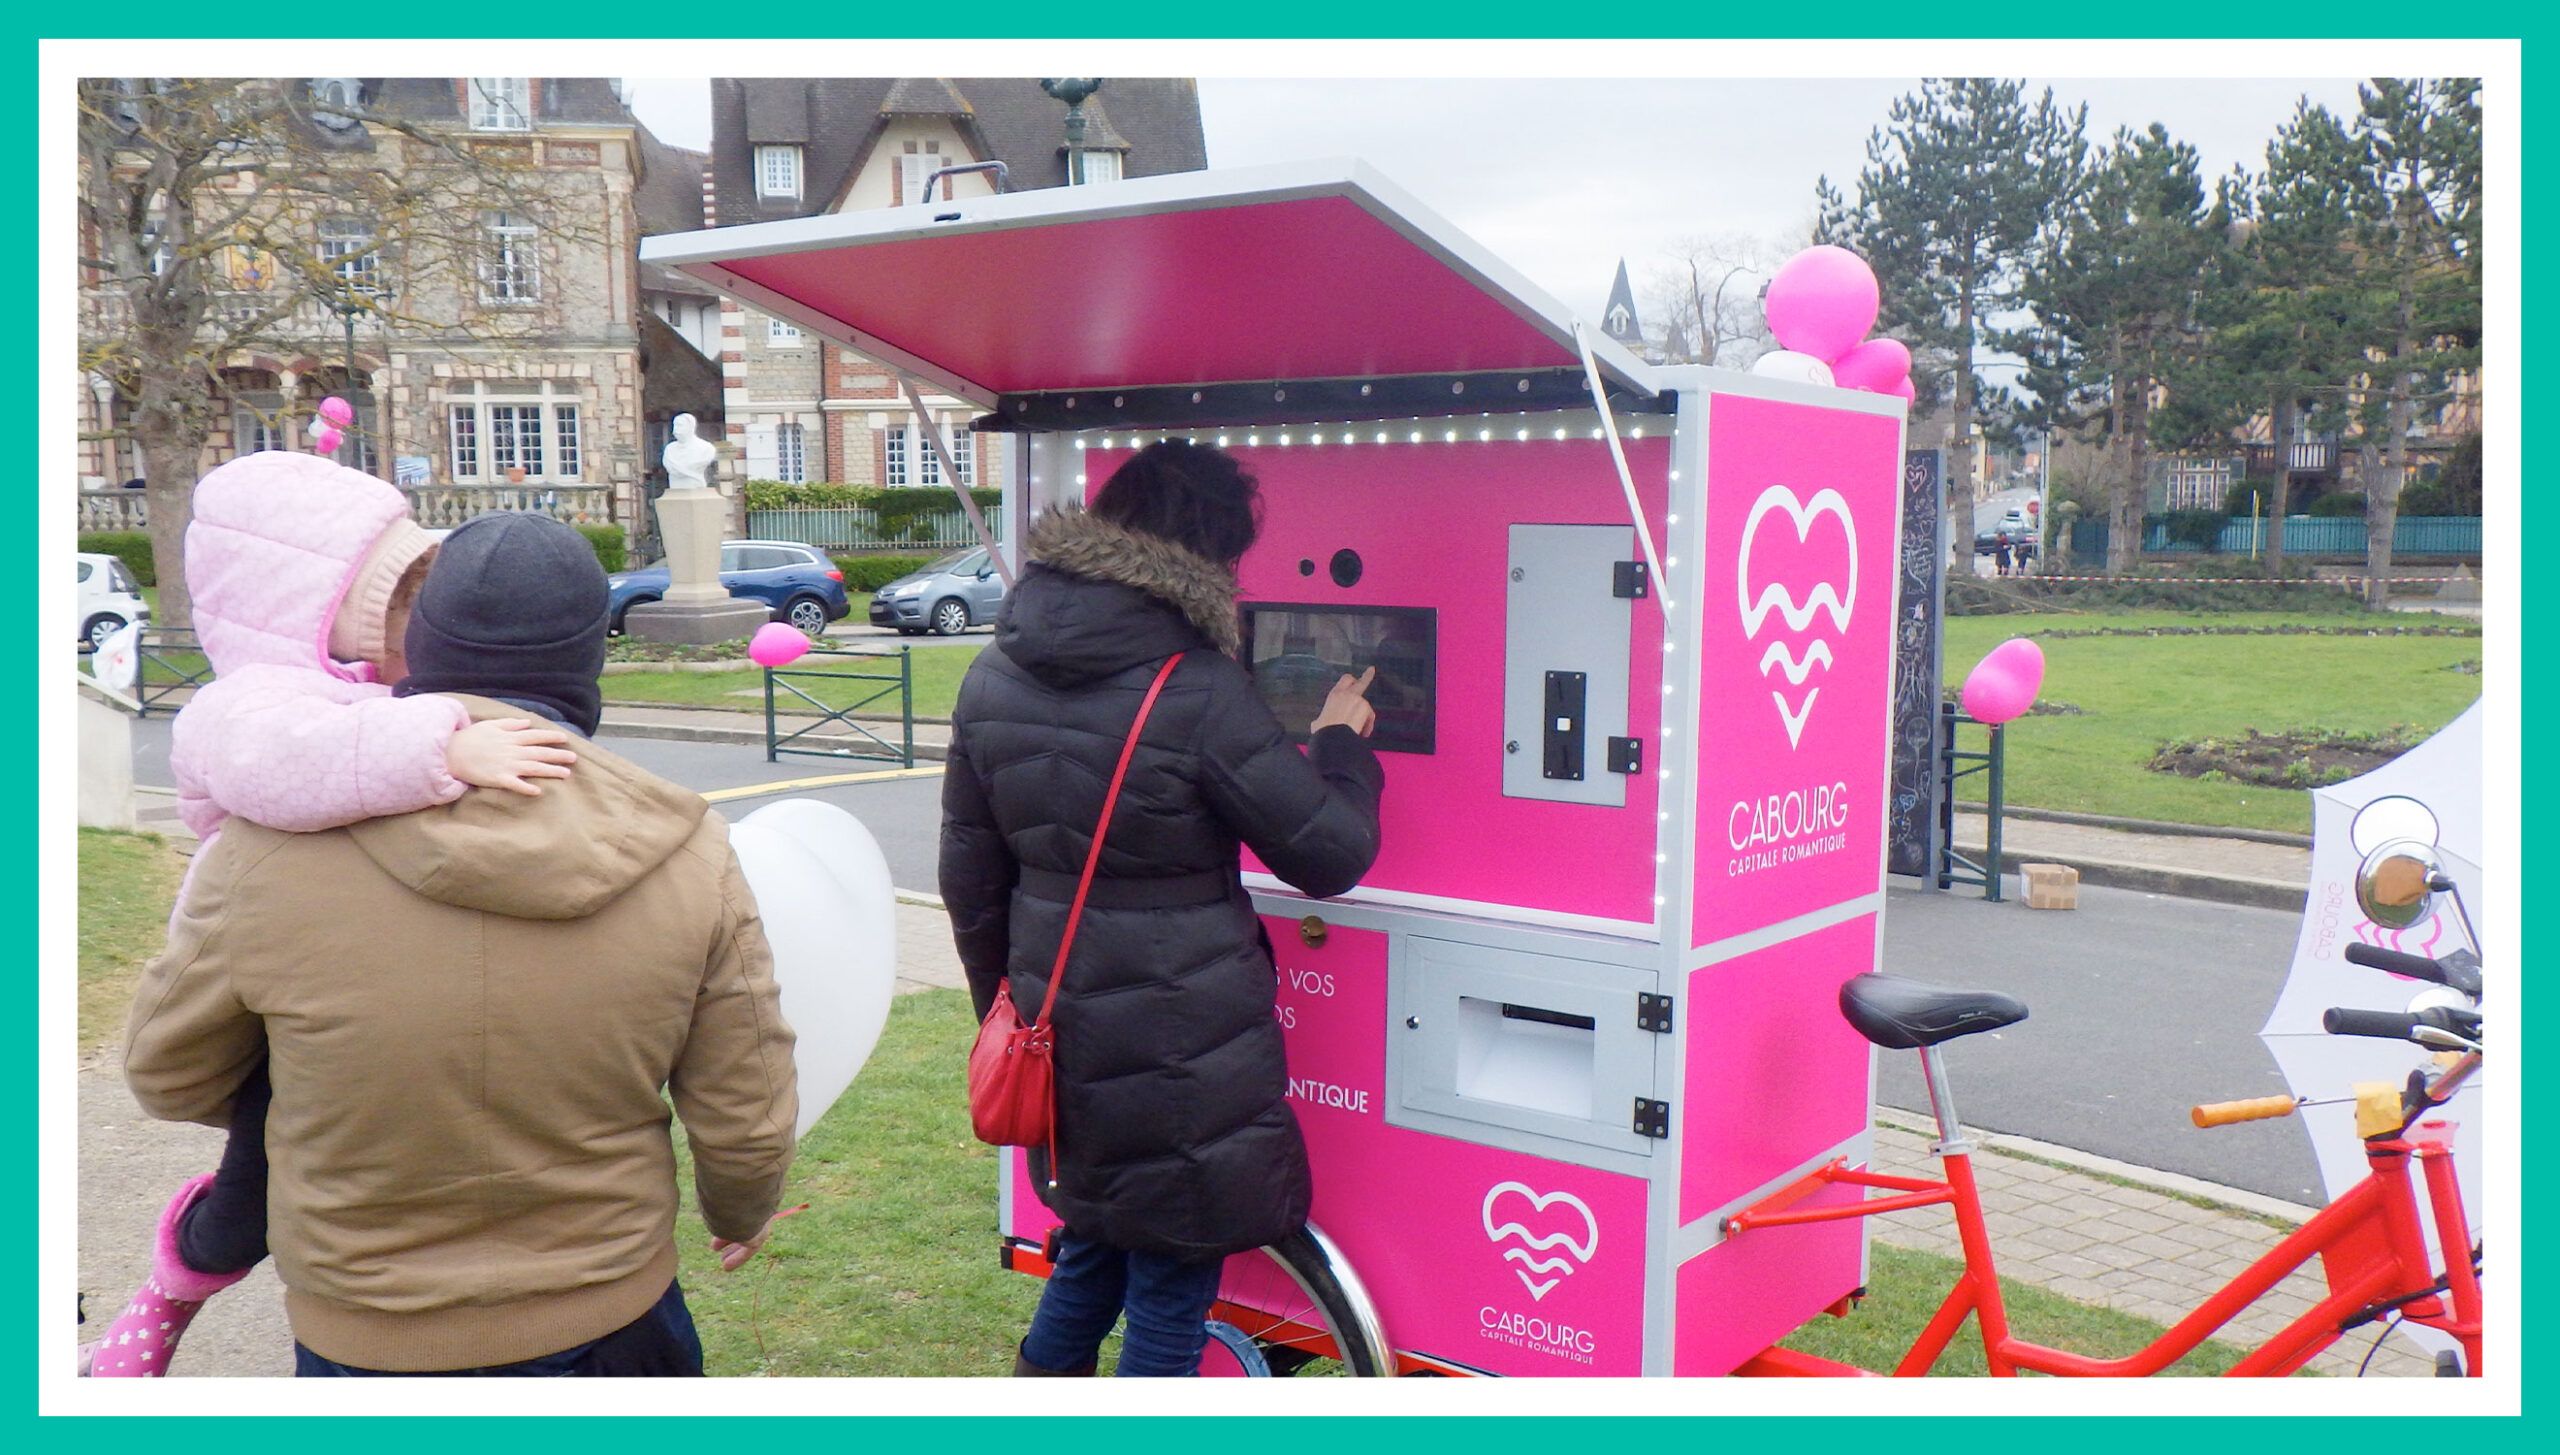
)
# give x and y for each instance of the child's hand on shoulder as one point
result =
(509, 753)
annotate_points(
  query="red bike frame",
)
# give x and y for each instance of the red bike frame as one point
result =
(2373, 1250)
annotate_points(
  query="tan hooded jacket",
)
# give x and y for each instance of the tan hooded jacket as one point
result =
(475, 1015)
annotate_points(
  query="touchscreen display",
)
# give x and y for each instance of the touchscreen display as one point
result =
(1296, 651)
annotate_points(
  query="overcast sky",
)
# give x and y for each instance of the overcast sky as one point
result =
(1562, 178)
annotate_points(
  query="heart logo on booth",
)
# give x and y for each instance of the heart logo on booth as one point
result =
(1578, 1235)
(1794, 601)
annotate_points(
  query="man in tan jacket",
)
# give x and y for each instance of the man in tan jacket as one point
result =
(474, 1017)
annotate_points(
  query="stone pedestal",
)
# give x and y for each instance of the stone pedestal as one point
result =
(697, 610)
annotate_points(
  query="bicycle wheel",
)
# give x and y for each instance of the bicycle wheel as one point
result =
(1296, 1302)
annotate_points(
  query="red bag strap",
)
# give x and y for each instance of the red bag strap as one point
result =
(1093, 856)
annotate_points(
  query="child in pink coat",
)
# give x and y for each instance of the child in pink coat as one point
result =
(302, 573)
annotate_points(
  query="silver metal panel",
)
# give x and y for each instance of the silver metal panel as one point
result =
(1433, 1032)
(1561, 616)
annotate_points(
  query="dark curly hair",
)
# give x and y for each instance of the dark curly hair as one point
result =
(1193, 495)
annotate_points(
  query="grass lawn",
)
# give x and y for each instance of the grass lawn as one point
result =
(938, 671)
(892, 1270)
(127, 883)
(2138, 692)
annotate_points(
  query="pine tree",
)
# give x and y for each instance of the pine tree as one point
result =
(1960, 190)
(2115, 299)
(2417, 269)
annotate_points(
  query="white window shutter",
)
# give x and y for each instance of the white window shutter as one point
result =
(762, 458)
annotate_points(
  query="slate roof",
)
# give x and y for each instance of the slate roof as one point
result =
(1009, 119)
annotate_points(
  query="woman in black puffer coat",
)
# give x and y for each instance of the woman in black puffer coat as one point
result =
(1176, 1145)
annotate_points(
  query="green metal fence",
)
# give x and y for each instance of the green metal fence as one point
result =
(169, 669)
(1954, 764)
(859, 528)
(2304, 535)
(848, 689)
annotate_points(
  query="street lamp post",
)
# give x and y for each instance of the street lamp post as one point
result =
(1074, 91)
(352, 303)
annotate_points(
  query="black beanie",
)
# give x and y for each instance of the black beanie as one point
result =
(513, 608)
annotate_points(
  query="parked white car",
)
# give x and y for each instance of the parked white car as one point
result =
(109, 599)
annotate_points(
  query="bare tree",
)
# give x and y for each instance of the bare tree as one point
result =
(220, 217)
(1709, 289)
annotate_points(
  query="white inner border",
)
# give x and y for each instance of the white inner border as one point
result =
(2498, 63)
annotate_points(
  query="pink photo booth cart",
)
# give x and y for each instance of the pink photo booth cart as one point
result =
(1633, 632)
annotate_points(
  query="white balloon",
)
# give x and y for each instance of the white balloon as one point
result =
(1788, 364)
(117, 662)
(822, 888)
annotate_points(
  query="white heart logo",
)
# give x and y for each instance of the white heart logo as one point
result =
(1580, 1240)
(1835, 600)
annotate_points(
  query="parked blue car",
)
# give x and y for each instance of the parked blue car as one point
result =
(796, 582)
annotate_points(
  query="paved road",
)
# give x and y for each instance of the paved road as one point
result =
(2143, 1004)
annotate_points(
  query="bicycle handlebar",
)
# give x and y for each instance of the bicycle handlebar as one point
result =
(2450, 972)
(2254, 1109)
(2387, 1025)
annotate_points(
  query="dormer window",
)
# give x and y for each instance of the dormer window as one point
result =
(778, 171)
(334, 101)
(1100, 166)
(500, 103)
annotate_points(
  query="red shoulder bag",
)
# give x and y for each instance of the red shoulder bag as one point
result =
(1013, 1098)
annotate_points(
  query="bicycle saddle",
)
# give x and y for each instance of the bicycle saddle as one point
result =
(1904, 1015)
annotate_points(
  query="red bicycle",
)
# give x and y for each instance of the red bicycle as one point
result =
(2370, 1240)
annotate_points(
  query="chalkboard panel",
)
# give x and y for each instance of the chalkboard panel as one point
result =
(1911, 843)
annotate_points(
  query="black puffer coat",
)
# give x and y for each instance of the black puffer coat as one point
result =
(1174, 1129)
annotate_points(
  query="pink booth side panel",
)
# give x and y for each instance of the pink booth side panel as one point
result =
(1796, 650)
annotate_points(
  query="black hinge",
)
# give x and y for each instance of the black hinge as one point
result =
(1628, 579)
(1653, 1012)
(1653, 1118)
(1626, 755)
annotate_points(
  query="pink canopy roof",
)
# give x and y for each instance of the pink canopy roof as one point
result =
(1319, 271)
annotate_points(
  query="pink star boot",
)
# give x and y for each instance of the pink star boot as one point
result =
(139, 1343)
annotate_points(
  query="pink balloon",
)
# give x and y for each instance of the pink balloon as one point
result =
(325, 439)
(1822, 301)
(337, 411)
(1875, 366)
(777, 644)
(2004, 683)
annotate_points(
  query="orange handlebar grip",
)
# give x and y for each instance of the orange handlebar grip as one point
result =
(2256, 1109)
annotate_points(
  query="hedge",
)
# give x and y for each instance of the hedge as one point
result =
(900, 502)
(132, 547)
(612, 547)
(870, 573)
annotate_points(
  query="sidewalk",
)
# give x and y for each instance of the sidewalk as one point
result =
(2194, 866)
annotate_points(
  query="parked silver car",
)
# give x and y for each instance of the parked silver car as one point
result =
(953, 594)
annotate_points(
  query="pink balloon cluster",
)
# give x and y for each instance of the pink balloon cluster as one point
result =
(2004, 683)
(1820, 306)
(335, 416)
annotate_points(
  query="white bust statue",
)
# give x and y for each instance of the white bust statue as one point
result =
(688, 456)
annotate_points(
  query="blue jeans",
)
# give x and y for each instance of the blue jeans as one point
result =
(660, 1343)
(1092, 1284)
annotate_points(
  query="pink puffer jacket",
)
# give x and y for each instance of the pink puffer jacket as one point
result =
(285, 736)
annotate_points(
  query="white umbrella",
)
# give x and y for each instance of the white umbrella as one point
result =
(2431, 794)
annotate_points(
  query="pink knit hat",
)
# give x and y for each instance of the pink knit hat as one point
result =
(359, 632)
